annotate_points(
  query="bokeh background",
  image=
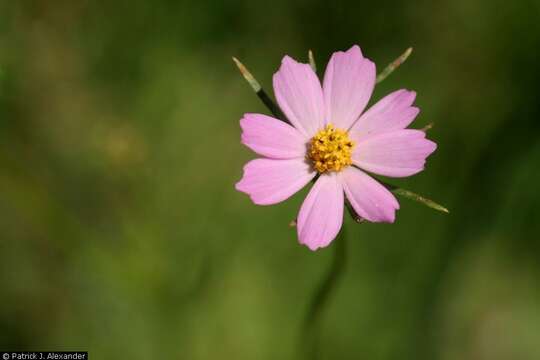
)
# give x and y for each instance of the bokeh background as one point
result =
(120, 229)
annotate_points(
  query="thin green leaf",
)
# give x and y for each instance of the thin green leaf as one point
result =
(394, 65)
(257, 88)
(413, 196)
(312, 61)
(427, 127)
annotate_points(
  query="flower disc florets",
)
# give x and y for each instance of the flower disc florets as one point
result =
(330, 149)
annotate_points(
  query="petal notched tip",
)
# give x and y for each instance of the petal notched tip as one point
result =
(288, 60)
(316, 246)
(405, 97)
(352, 51)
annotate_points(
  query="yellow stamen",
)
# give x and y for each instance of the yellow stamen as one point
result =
(330, 149)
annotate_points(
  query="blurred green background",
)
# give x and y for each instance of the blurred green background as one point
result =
(120, 229)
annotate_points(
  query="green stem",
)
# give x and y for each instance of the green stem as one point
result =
(322, 295)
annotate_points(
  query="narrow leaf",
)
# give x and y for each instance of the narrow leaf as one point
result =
(394, 65)
(257, 88)
(427, 127)
(312, 61)
(413, 196)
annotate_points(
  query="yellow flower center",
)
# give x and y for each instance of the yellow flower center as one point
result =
(330, 149)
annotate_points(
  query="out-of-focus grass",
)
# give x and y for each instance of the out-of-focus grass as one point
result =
(121, 232)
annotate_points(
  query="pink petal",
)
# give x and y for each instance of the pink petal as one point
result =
(270, 181)
(272, 137)
(299, 94)
(371, 200)
(396, 153)
(393, 112)
(321, 214)
(348, 83)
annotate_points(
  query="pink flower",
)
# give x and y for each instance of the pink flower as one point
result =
(332, 137)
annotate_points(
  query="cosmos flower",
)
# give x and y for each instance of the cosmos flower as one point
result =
(332, 140)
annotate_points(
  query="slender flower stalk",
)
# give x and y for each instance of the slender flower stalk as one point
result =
(331, 151)
(321, 296)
